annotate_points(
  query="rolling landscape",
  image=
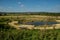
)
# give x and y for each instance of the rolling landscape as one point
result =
(30, 20)
(16, 26)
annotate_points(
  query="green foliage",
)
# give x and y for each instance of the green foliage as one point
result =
(28, 13)
(14, 34)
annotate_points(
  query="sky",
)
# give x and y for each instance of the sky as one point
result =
(29, 5)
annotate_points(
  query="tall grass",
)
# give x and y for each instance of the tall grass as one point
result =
(24, 34)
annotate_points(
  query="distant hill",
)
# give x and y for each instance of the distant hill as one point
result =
(29, 13)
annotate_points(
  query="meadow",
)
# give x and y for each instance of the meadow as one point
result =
(7, 32)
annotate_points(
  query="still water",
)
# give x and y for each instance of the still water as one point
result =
(37, 23)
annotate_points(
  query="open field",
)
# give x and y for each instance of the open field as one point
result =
(30, 17)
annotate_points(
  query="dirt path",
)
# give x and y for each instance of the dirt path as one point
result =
(57, 26)
(13, 24)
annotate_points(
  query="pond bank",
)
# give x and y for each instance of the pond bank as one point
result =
(57, 26)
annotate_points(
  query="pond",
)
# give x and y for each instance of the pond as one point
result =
(37, 23)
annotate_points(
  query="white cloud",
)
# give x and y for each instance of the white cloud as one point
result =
(19, 2)
(21, 5)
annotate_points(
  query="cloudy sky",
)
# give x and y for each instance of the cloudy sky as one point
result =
(29, 5)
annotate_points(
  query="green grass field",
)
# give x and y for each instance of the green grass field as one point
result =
(24, 34)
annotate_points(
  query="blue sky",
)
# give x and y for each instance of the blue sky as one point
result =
(29, 5)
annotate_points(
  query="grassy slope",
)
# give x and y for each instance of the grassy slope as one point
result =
(30, 35)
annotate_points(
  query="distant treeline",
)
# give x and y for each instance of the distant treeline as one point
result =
(29, 13)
